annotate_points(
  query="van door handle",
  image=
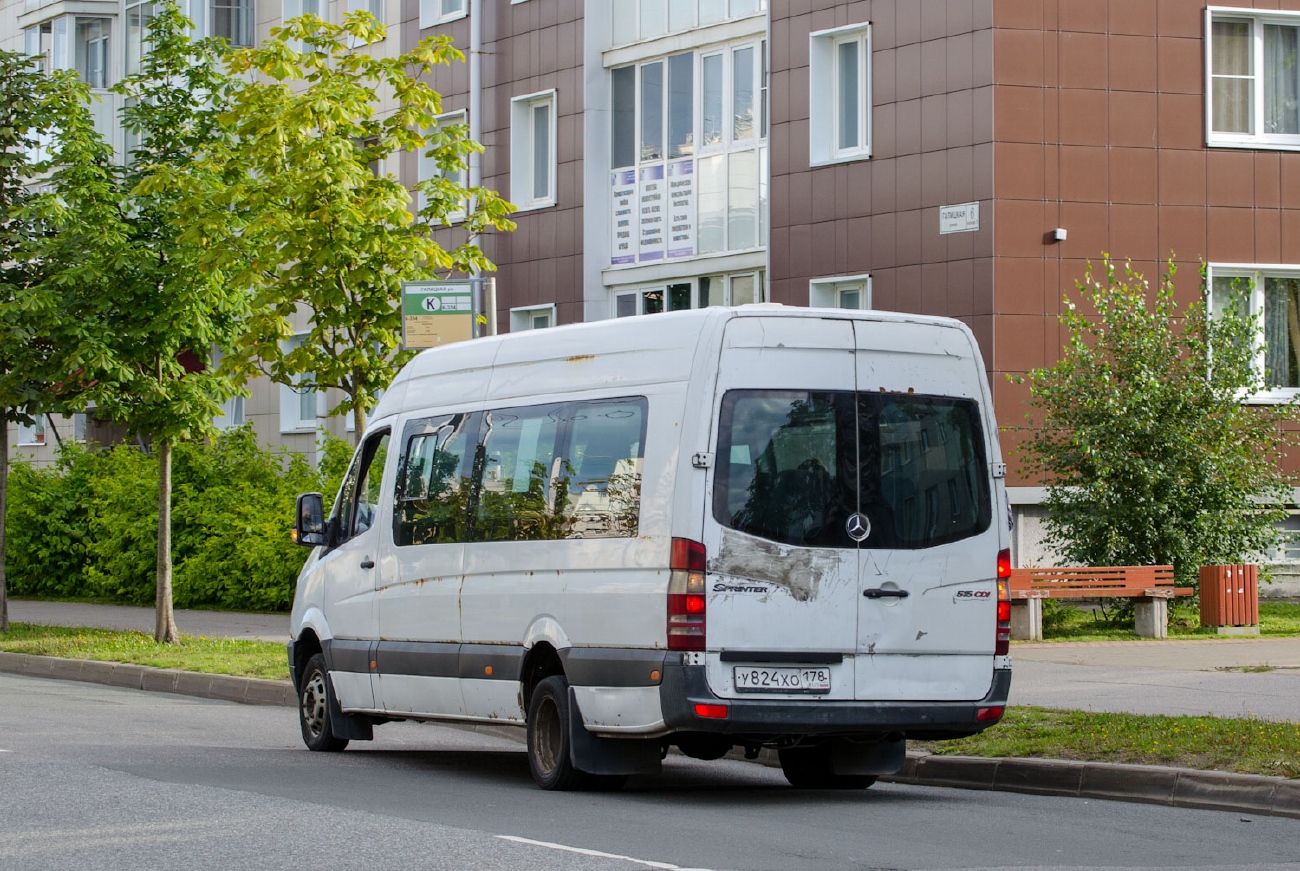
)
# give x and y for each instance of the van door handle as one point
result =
(370, 564)
(877, 593)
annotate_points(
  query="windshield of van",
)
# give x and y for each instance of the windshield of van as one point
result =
(794, 466)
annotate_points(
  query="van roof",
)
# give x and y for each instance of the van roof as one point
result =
(669, 338)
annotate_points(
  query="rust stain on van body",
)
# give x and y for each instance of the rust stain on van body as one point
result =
(800, 571)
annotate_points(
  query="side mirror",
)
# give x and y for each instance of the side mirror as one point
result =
(309, 521)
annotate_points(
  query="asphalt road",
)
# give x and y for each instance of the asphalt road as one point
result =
(97, 777)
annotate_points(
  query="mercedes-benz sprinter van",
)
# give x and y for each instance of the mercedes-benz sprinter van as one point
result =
(726, 528)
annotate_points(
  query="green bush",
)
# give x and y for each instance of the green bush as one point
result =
(87, 527)
(48, 526)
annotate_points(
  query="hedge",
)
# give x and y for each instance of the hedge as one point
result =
(86, 527)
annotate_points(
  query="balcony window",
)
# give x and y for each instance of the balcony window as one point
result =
(641, 20)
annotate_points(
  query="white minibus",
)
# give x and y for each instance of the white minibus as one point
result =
(724, 528)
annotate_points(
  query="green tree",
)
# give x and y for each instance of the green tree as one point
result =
(43, 122)
(309, 220)
(1144, 435)
(112, 229)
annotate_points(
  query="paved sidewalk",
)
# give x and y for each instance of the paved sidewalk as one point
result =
(229, 624)
(1190, 677)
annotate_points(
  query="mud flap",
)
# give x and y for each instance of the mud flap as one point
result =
(879, 757)
(596, 755)
(349, 727)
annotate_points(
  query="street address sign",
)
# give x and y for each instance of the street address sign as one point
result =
(436, 313)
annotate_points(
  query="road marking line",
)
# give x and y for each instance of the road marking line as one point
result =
(597, 854)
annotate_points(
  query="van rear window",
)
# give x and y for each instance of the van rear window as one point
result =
(794, 466)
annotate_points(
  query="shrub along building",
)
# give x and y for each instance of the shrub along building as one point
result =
(950, 157)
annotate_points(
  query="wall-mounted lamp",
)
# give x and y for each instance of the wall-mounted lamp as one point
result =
(1059, 234)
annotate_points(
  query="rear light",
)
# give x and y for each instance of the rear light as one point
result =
(985, 714)
(686, 597)
(711, 712)
(1002, 647)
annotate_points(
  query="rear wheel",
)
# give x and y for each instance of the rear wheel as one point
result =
(811, 768)
(549, 758)
(314, 715)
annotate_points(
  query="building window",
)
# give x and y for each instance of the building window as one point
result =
(138, 16)
(532, 151)
(850, 292)
(429, 172)
(689, 154)
(1272, 296)
(1254, 87)
(32, 434)
(743, 288)
(839, 67)
(435, 12)
(72, 42)
(640, 20)
(299, 407)
(535, 317)
(233, 21)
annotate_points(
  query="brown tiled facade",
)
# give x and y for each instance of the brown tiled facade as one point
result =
(528, 48)
(1086, 115)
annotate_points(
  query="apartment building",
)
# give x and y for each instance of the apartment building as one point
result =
(954, 157)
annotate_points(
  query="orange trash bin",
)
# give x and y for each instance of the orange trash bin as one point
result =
(1230, 595)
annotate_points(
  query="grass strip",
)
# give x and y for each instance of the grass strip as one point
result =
(1063, 621)
(1246, 746)
(262, 659)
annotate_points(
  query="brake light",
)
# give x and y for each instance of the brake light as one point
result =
(1002, 646)
(983, 715)
(686, 625)
(711, 712)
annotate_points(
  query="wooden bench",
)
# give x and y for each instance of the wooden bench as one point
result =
(1150, 588)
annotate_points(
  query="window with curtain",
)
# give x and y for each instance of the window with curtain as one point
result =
(1254, 79)
(1272, 296)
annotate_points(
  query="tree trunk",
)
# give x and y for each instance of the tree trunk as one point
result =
(165, 626)
(4, 516)
(358, 424)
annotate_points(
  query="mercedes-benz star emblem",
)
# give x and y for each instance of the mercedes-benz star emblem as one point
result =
(859, 527)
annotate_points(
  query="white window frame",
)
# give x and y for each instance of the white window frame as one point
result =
(434, 12)
(522, 154)
(32, 435)
(1256, 138)
(291, 419)
(201, 12)
(525, 317)
(1255, 274)
(140, 32)
(828, 292)
(823, 79)
(720, 291)
(427, 167)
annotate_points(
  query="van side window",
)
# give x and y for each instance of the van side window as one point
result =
(602, 483)
(433, 481)
(516, 467)
(359, 496)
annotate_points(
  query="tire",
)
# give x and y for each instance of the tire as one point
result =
(315, 699)
(549, 758)
(810, 768)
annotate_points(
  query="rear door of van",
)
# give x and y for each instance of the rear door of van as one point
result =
(851, 550)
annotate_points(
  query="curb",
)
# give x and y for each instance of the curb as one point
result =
(1149, 784)
(246, 690)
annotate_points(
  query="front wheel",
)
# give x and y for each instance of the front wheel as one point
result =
(314, 715)
(811, 768)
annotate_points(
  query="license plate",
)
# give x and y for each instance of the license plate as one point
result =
(755, 679)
